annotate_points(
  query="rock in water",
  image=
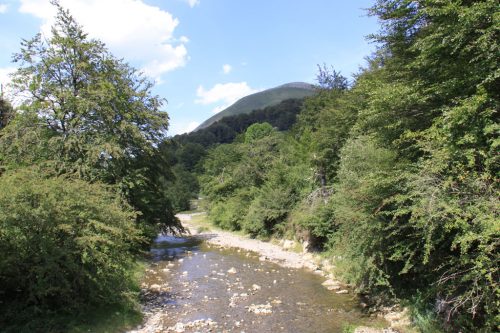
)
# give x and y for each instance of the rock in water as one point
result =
(260, 308)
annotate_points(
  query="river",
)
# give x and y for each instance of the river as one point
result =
(193, 286)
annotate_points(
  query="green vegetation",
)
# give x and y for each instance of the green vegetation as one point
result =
(261, 100)
(67, 244)
(84, 186)
(184, 152)
(6, 112)
(243, 191)
(395, 174)
(282, 116)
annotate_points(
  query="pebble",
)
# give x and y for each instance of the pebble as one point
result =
(260, 308)
(155, 287)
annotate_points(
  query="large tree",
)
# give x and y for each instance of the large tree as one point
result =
(105, 121)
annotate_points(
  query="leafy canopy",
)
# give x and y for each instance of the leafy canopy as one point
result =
(89, 115)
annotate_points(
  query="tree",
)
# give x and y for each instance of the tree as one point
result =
(105, 121)
(6, 112)
(101, 107)
(258, 131)
(431, 103)
(330, 79)
(189, 154)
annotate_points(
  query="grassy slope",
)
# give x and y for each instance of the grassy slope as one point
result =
(261, 100)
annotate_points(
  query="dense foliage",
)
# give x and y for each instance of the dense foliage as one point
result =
(252, 185)
(186, 151)
(6, 112)
(65, 246)
(97, 116)
(282, 116)
(395, 173)
(83, 183)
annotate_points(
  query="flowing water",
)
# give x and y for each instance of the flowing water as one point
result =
(195, 287)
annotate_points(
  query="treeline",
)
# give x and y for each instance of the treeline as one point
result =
(83, 185)
(184, 152)
(395, 174)
(282, 116)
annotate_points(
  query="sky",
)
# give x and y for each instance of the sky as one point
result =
(204, 55)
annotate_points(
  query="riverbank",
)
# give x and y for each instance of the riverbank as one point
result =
(193, 285)
(282, 254)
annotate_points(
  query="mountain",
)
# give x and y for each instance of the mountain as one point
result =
(262, 100)
(281, 116)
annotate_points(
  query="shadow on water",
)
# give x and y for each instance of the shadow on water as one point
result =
(168, 247)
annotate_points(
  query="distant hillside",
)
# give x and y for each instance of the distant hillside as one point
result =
(281, 116)
(263, 99)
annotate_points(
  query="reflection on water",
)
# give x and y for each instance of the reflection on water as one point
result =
(189, 280)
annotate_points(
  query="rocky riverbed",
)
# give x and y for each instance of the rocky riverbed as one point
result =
(215, 281)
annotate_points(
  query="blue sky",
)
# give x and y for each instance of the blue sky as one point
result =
(206, 54)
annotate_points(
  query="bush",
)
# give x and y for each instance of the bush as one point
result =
(367, 175)
(66, 246)
(230, 213)
(269, 208)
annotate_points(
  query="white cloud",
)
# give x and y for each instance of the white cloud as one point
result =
(138, 32)
(13, 96)
(224, 93)
(3, 8)
(226, 68)
(5, 79)
(183, 128)
(191, 126)
(193, 3)
(4, 75)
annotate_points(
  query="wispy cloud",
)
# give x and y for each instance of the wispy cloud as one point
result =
(5, 78)
(226, 68)
(193, 3)
(3, 8)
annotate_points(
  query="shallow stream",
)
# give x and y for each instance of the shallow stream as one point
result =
(195, 287)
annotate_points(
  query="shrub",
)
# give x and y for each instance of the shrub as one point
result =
(66, 245)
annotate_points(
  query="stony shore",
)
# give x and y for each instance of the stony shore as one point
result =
(282, 255)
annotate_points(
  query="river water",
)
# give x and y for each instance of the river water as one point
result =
(192, 286)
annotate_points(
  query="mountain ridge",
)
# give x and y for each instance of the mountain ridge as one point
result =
(262, 99)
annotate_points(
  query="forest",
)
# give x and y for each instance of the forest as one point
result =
(393, 173)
